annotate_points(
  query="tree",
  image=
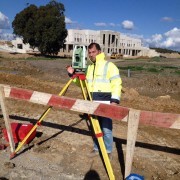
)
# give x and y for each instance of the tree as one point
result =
(42, 27)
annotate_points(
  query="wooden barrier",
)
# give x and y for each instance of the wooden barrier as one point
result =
(166, 120)
(132, 116)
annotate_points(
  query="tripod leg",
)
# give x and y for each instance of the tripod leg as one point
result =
(88, 90)
(62, 92)
(40, 119)
(99, 135)
(83, 91)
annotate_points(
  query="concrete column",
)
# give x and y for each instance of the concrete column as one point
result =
(136, 52)
(126, 51)
(67, 47)
(110, 40)
(131, 52)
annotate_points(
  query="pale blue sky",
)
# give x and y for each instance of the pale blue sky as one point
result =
(156, 22)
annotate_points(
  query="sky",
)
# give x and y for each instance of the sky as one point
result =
(156, 22)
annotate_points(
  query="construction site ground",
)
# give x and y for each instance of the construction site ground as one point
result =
(60, 148)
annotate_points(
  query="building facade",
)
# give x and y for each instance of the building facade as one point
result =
(110, 42)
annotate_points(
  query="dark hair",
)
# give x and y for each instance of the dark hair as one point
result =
(96, 45)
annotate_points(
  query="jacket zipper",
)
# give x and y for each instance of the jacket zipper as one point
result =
(93, 79)
(94, 70)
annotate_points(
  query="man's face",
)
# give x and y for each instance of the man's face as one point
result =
(93, 52)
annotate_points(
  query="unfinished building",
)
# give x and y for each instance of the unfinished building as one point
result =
(110, 41)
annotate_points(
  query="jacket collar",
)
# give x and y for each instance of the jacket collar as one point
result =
(100, 57)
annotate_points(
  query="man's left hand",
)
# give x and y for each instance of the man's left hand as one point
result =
(113, 103)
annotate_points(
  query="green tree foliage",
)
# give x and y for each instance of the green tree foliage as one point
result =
(42, 27)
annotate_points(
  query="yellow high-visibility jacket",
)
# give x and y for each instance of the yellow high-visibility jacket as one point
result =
(104, 81)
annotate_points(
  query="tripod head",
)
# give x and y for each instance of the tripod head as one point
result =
(79, 61)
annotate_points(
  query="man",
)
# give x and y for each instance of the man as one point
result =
(104, 84)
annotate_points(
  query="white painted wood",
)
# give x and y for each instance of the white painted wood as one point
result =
(176, 124)
(6, 119)
(133, 122)
(40, 98)
(85, 106)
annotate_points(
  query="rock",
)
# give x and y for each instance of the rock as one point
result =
(133, 92)
(9, 165)
(164, 97)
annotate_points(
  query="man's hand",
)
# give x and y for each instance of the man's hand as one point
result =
(69, 69)
(113, 103)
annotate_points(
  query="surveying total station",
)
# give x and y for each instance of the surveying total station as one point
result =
(79, 59)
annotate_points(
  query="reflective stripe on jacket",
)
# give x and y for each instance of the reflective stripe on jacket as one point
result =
(104, 81)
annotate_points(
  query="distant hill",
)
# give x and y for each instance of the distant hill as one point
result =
(162, 50)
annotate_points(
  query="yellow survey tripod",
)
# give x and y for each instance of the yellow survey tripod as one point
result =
(94, 122)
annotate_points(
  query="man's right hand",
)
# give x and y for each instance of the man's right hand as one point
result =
(69, 69)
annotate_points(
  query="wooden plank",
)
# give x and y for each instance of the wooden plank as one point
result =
(165, 120)
(6, 119)
(133, 122)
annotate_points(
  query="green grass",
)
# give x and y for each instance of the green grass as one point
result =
(41, 58)
(36, 57)
(45, 57)
(133, 68)
(152, 69)
(177, 72)
(155, 59)
(170, 67)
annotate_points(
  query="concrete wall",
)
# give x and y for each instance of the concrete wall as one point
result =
(21, 47)
(83, 37)
(148, 52)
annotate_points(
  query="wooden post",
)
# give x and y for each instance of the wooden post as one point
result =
(133, 122)
(6, 119)
(129, 73)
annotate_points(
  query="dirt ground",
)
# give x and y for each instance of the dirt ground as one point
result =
(60, 148)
